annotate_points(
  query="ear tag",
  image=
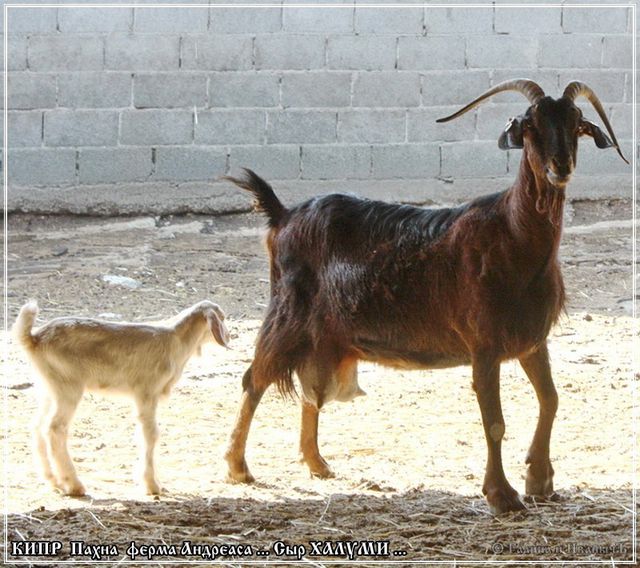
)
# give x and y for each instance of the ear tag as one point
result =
(509, 123)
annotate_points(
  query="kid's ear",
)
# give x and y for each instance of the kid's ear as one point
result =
(217, 327)
(511, 137)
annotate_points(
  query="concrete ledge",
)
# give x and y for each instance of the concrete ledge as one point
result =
(217, 198)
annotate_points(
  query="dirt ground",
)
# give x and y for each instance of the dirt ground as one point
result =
(409, 457)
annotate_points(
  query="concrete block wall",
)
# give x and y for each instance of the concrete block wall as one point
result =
(123, 97)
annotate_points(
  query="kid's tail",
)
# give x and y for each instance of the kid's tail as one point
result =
(24, 323)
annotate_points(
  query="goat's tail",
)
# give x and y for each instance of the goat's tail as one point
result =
(24, 323)
(266, 199)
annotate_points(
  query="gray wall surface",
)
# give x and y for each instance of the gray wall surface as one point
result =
(125, 109)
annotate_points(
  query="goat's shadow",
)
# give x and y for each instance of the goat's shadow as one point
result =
(420, 524)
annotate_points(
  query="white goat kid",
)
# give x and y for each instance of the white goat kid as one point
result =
(141, 360)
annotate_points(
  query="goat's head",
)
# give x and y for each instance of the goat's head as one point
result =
(214, 316)
(549, 128)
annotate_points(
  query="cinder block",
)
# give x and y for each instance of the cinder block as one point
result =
(279, 51)
(501, 51)
(525, 20)
(24, 129)
(112, 165)
(94, 90)
(595, 19)
(65, 53)
(31, 20)
(608, 85)
(442, 88)
(473, 159)
(186, 19)
(578, 51)
(16, 52)
(437, 52)
(270, 161)
(151, 127)
(31, 91)
(336, 162)
(321, 89)
(42, 166)
(245, 20)
(244, 90)
(422, 125)
(143, 52)
(93, 19)
(303, 127)
(230, 127)
(169, 90)
(459, 20)
(617, 52)
(80, 128)
(621, 119)
(492, 118)
(596, 161)
(389, 20)
(406, 161)
(386, 89)
(361, 53)
(371, 126)
(331, 19)
(217, 52)
(189, 163)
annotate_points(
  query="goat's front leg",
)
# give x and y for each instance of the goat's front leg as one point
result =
(540, 473)
(238, 471)
(486, 382)
(146, 408)
(309, 442)
(57, 429)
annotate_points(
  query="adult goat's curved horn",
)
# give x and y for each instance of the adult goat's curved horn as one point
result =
(528, 88)
(578, 89)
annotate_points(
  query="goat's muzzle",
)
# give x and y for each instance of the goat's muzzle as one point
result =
(559, 174)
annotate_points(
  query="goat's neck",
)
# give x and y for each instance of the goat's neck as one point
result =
(190, 331)
(535, 208)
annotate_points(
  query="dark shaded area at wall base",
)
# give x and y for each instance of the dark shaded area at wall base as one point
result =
(218, 198)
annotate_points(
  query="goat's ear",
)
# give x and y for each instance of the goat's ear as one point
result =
(217, 327)
(511, 137)
(588, 128)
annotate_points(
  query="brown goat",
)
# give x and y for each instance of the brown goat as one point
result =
(420, 288)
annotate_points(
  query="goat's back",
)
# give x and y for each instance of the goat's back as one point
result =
(102, 355)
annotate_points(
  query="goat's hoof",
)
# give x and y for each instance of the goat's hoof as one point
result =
(324, 472)
(154, 489)
(240, 474)
(504, 500)
(240, 477)
(238, 471)
(328, 474)
(539, 485)
(73, 489)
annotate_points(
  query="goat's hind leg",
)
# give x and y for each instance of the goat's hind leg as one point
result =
(40, 441)
(309, 451)
(57, 430)
(238, 471)
(540, 473)
(323, 378)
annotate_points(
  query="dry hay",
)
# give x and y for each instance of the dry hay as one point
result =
(427, 524)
